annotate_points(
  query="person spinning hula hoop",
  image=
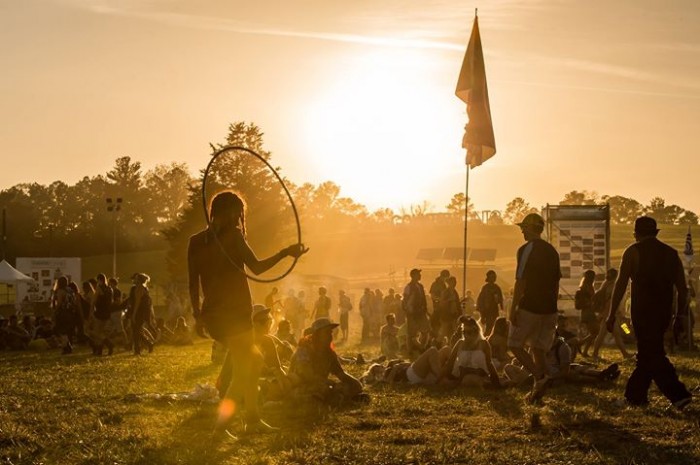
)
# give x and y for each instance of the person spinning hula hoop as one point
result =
(216, 258)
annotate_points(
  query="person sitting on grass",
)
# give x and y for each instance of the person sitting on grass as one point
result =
(561, 369)
(388, 337)
(285, 333)
(274, 383)
(182, 336)
(45, 332)
(498, 340)
(312, 363)
(470, 359)
(16, 337)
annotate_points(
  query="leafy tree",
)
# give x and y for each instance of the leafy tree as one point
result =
(516, 210)
(167, 188)
(456, 208)
(688, 217)
(580, 198)
(623, 210)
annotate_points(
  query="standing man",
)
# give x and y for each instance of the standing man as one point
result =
(490, 302)
(322, 307)
(436, 289)
(416, 307)
(533, 313)
(344, 307)
(655, 269)
(366, 314)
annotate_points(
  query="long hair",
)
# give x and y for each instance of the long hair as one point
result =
(226, 203)
(587, 279)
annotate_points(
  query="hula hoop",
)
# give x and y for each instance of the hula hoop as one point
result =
(229, 148)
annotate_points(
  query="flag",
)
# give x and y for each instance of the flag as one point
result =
(688, 250)
(472, 89)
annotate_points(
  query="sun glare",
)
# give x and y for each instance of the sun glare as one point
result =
(385, 129)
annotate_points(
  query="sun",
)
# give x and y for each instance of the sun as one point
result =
(386, 130)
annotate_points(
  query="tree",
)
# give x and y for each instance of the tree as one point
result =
(580, 198)
(516, 210)
(456, 208)
(623, 210)
(167, 187)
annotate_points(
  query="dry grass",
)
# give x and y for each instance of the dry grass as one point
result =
(76, 410)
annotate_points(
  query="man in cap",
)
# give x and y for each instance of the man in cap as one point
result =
(416, 308)
(314, 360)
(533, 313)
(654, 269)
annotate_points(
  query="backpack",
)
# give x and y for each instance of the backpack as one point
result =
(579, 300)
(103, 303)
(599, 300)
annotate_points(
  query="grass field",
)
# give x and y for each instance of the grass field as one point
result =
(81, 409)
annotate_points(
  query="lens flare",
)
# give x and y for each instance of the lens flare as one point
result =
(227, 408)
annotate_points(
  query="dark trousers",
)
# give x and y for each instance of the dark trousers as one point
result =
(653, 365)
(366, 327)
(139, 333)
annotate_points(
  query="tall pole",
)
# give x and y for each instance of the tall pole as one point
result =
(114, 250)
(466, 217)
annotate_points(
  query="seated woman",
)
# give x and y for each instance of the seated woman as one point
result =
(498, 340)
(274, 383)
(182, 336)
(470, 360)
(284, 332)
(312, 363)
(388, 337)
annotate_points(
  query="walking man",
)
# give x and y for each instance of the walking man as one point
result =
(533, 313)
(654, 269)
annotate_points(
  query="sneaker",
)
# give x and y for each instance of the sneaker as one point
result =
(538, 389)
(260, 427)
(610, 373)
(683, 403)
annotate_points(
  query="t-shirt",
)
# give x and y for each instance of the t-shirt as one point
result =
(540, 270)
(103, 302)
(490, 299)
(558, 355)
(323, 306)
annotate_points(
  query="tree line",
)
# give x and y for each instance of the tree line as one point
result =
(160, 208)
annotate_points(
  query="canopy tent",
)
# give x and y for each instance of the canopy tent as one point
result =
(9, 275)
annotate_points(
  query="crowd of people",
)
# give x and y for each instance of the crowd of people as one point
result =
(270, 354)
(96, 314)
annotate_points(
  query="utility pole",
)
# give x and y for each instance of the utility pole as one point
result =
(113, 206)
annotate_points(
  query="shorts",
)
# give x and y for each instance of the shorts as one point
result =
(535, 329)
(413, 378)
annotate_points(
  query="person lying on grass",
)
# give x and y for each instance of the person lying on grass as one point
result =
(560, 368)
(312, 363)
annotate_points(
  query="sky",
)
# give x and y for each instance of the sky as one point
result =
(594, 95)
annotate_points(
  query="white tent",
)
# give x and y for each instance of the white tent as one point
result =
(9, 275)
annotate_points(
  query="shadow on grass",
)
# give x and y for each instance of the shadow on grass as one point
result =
(609, 441)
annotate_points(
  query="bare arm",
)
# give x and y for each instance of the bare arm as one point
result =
(681, 287)
(620, 287)
(518, 291)
(257, 265)
(486, 348)
(193, 275)
(447, 368)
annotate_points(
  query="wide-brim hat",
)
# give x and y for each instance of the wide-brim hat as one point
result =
(259, 310)
(322, 323)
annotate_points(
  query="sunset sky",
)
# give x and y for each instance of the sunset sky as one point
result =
(594, 95)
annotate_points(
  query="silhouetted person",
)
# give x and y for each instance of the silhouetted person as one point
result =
(436, 289)
(140, 311)
(103, 312)
(65, 305)
(605, 294)
(583, 301)
(366, 314)
(416, 307)
(533, 314)
(450, 310)
(344, 308)
(489, 302)
(654, 269)
(216, 259)
(322, 307)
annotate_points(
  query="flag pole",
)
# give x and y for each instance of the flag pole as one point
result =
(466, 217)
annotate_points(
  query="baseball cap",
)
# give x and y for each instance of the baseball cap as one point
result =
(415, 271)
(322, 323)
(645, 224)
(259, 310)
(533, 219)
